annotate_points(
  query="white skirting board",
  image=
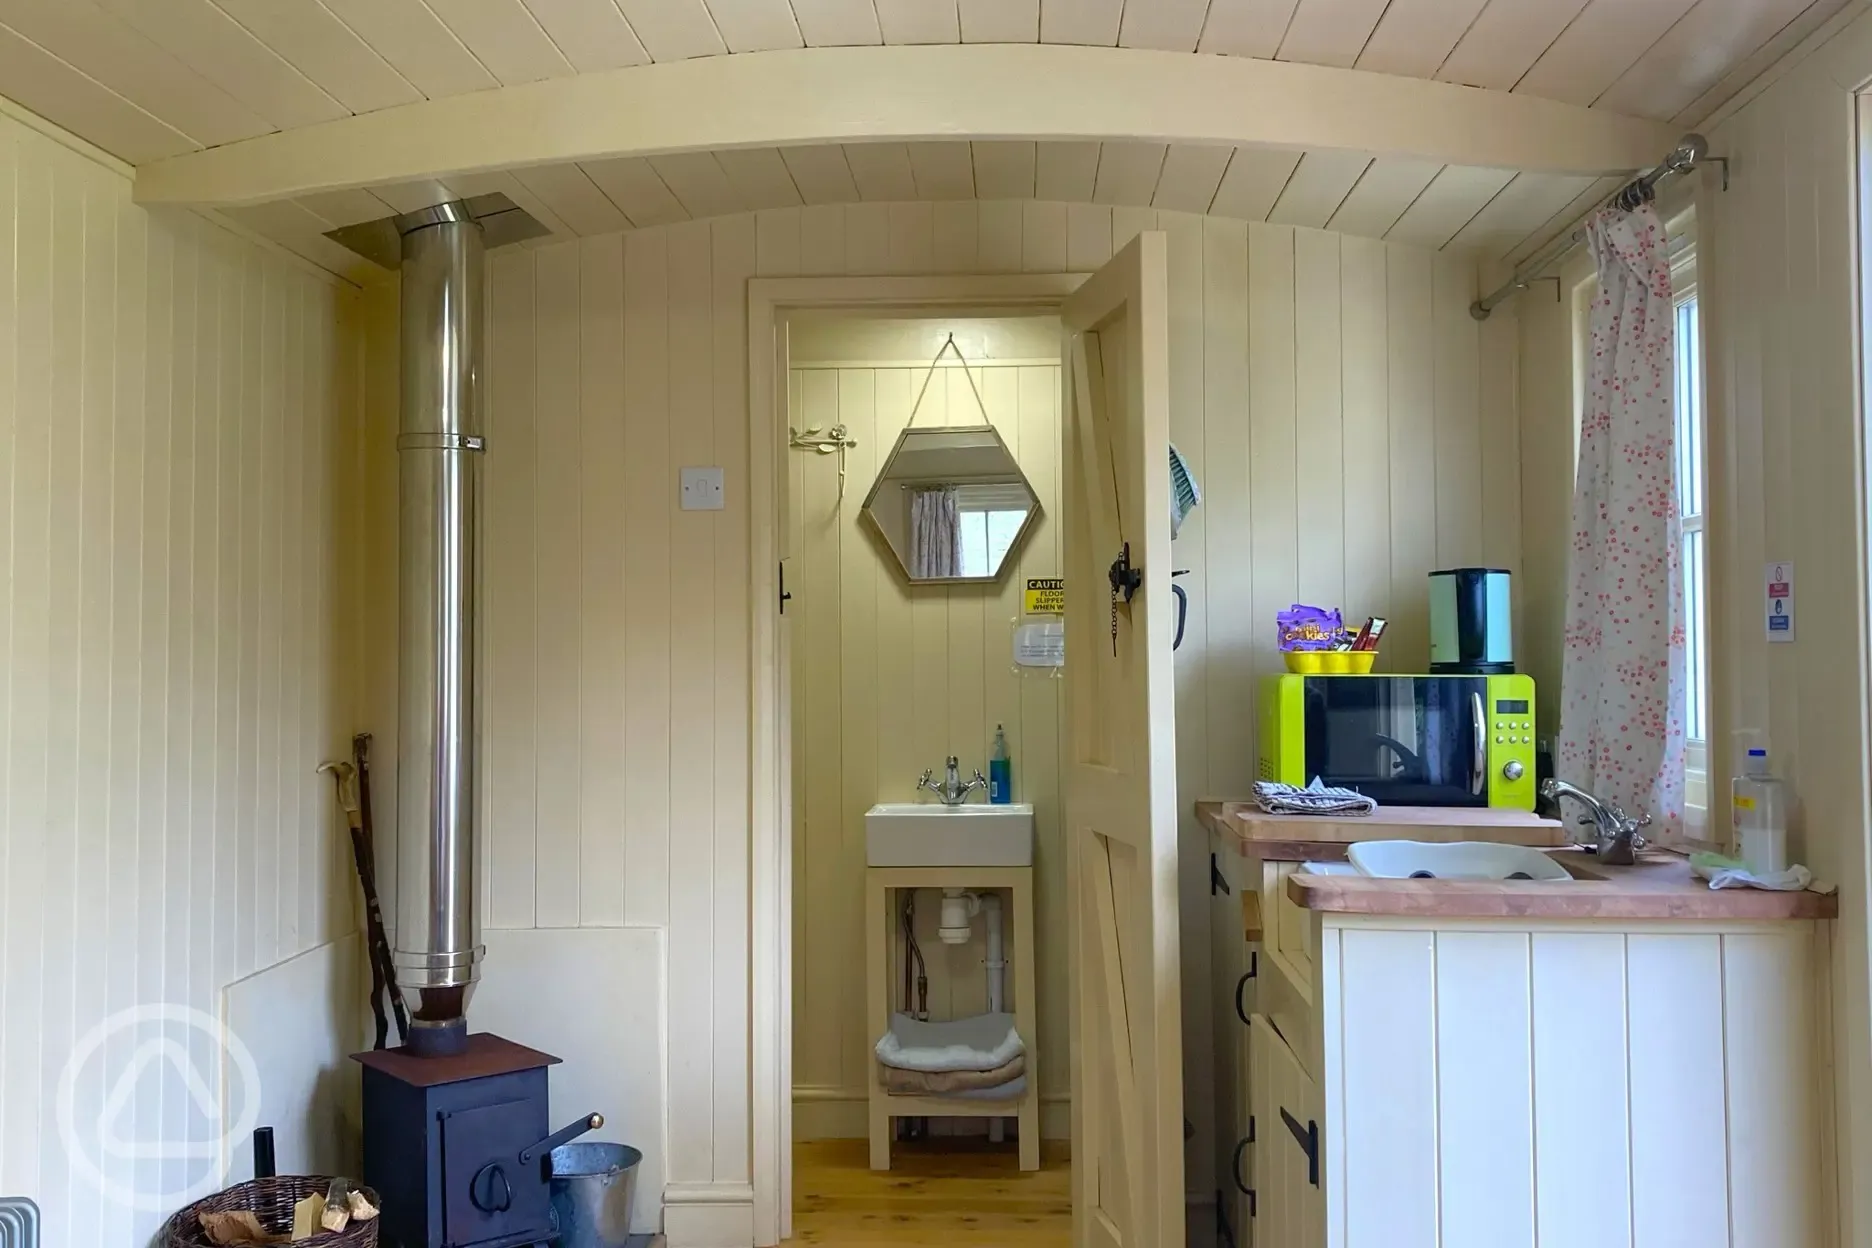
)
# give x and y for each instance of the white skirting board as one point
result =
(709, 1215)
(593, 996)
(301, 1020)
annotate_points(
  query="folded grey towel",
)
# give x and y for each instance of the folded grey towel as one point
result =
(948, 1082)
(1315, 799)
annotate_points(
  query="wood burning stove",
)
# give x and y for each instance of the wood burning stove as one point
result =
(458, 1146)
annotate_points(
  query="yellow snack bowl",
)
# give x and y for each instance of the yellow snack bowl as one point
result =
(1330, 662)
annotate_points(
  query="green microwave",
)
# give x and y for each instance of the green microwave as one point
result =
(1403, 740)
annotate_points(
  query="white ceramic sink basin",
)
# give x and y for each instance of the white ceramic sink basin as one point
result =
(1454, 860)
(929, 834)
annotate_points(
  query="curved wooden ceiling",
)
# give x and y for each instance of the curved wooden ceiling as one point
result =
(1495, 212)
(148, 79)
(144, 79)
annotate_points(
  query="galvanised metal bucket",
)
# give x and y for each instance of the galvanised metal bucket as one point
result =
(593, 1186)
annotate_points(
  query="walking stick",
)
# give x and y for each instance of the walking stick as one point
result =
(360, 753)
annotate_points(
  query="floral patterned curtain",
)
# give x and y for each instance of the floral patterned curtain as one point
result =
(1623, 679)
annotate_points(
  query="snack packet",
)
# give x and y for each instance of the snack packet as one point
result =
(1309, 628)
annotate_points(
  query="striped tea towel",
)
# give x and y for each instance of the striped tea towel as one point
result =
(1315, 799)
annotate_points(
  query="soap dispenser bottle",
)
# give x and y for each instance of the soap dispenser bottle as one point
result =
(1000, 770)
(1758, 800)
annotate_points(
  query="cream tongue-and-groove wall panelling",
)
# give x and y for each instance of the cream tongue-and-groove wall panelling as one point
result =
(1778, 276)
(889, 679)
(177, 595)
(1777, 284)
(1351, 425)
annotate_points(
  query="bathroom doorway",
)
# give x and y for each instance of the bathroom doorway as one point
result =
(892, 677)
(878, 680)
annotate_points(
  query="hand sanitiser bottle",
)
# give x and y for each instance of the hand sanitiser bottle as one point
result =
(1758, 802)
(1000, 771)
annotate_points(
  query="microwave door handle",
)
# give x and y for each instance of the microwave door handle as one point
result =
(1478, 779)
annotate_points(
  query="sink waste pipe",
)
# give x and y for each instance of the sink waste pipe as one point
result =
(959, 908)
(996, 964)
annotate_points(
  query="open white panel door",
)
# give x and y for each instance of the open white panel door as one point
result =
(1120, 773)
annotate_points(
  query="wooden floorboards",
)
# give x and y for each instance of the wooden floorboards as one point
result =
(943, 1192)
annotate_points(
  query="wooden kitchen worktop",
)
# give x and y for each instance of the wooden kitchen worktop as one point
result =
(1316, 838)
(1660, 886)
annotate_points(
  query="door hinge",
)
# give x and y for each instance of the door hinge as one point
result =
(1307, 1138)
(785, 597)
(1241, 1146)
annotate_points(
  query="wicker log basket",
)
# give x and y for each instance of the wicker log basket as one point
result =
(272, 1201)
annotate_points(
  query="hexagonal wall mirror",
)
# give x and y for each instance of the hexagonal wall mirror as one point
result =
(952, 504)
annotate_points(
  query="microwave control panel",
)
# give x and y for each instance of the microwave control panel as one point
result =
(1510, 725)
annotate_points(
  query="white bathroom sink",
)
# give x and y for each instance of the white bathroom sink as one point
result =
(1454, 860)
(929, 834)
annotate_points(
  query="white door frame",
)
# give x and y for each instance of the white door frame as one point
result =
(770, 951)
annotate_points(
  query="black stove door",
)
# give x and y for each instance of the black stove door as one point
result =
(488, 1197)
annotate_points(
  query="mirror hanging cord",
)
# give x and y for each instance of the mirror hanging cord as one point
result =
(948, 347)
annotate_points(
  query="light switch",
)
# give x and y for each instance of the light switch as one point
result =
(702, 489)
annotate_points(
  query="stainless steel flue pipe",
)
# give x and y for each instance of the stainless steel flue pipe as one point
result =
(439, 450)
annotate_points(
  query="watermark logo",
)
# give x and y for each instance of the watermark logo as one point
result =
(175, 1166)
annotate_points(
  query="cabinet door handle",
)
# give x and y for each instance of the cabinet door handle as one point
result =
(1307, 1138)
(1241, 1009)
(1241, 1146)
(1218, 883)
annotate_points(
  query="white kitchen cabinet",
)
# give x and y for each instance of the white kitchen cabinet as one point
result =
(1418, 1082)
(1288, 1157)
(1235, 958)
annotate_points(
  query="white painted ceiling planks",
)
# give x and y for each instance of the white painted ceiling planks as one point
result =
(147, 79)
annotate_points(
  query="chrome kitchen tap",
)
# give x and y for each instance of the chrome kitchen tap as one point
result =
(952, 792)
(1617, 838)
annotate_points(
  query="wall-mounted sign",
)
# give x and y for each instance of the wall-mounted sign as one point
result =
(1040, 644)
(1046, 595)
(1778, 587)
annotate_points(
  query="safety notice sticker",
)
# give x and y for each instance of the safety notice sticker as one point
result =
(1045, 596)
(1778, 582)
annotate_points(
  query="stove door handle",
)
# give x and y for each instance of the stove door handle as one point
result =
(492, 1173)
(590, 1122)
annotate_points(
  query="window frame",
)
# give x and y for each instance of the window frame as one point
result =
(1684, 290)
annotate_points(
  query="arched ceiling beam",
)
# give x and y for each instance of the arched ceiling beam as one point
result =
(960, 91)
